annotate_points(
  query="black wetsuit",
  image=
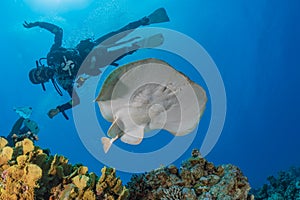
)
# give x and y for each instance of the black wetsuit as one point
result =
(58, 55)
(21, 133)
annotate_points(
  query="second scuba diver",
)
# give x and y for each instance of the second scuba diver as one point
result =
(29, 130)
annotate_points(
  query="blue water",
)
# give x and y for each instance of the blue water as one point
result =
(255, 45)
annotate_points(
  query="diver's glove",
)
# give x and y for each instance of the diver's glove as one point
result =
(30, 25)
(59, 109)
(53, 112)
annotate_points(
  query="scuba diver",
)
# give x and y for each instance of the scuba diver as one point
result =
(63, 63)
(29, 130)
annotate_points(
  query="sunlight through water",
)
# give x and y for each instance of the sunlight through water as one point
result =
(57, 5)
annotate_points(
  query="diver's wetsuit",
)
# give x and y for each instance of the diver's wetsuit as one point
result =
(20, 132)
(59, 55)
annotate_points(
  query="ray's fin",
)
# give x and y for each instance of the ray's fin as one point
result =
(133, 137)
(115, 130)
(107, 142)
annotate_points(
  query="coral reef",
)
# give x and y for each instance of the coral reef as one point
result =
(286, 186)
(28, 172)
(196, 179)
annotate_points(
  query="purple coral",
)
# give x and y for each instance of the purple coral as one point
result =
(4, 175)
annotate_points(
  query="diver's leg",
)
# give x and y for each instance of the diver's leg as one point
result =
(15, 130)
(158, 16)
(17, 126)
(128, 28)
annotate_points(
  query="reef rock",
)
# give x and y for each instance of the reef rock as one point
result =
(286, 186)
(196, 179)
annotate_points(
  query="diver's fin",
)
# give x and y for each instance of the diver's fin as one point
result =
(107, 143)
(151, 42)
(24, 112)
(158, 16)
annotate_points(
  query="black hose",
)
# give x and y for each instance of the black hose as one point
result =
(56, 87)
(65, 115)
(40, 61)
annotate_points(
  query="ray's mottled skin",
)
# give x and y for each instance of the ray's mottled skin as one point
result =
(146, 95)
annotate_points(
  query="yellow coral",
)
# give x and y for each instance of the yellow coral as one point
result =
(81, 181)
(21, 160)
(69, 192)
(3, 142)
(5, 155)
(82, 170)
(26, 144)
(109, 185)
(14, 173)
(100, 187)
(9, 196)
(110, 178)
(89, 195)
(5, 167)
(26, 164)
(124, 194)
(93, 178)
(103, 175)
(63, 159)
(57, 166)
(117, 189)
(110, 197)
(33, 173)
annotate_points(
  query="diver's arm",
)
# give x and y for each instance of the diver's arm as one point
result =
(74, 102)
(66, 106)
(56, 30)
(62, 108)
